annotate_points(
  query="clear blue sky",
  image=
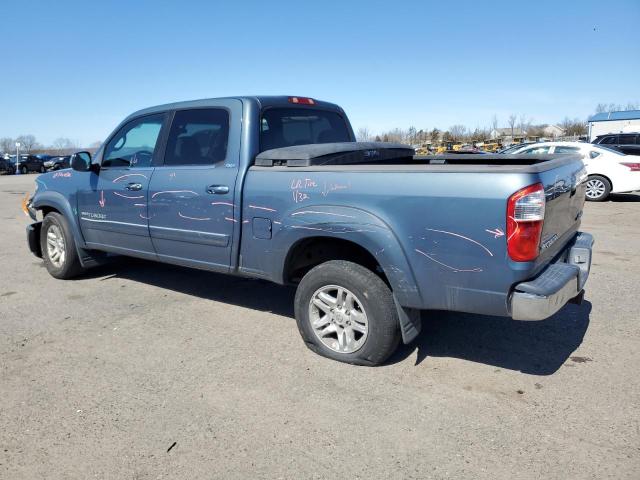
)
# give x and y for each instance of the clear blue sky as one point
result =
(76, 68)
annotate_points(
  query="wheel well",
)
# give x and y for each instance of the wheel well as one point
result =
(310, 252)
(46, 210)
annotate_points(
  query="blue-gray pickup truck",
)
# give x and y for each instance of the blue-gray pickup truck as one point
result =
(277, 188)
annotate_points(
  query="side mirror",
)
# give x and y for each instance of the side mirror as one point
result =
(81, 161)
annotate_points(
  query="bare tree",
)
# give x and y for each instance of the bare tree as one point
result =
(512, 122)
(523, 124)
(7, 145)
(27, 142)
(434, 135)
(457, 132)
(363, 135)
(62, 144)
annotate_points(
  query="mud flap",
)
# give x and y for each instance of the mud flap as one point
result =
(410, 322)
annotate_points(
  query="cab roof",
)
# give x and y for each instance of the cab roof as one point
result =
(262, 101)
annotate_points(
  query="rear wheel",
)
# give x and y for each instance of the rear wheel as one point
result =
(24, 170)
(346, 312)
(598, 188)
(59, 248)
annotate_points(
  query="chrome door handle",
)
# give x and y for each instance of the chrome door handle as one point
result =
(217, 189)
(134, 186)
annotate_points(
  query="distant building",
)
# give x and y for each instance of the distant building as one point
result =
(614, 122)
(552, 131)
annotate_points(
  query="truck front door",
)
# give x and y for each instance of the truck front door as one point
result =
(192, 214)
(112, 207)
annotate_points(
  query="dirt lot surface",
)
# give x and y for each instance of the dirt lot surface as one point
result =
(139, 370)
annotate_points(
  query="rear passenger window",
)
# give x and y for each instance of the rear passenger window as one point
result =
(610, 140)
(198, 137)
(537, 151)
(627, 139)
(134, 144)
(562, 149)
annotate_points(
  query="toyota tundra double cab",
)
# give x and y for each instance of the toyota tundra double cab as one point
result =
(277, 188)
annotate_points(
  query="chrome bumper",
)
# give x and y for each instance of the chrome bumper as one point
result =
(558, 284)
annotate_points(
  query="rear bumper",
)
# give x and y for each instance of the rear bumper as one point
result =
(558, 284)
(33, 238)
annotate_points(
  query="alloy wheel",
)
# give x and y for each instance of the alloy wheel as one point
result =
(55, 246)
(338, 319)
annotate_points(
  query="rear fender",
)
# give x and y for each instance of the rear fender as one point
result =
(362, 228)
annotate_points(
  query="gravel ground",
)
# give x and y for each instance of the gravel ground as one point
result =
(140, 370)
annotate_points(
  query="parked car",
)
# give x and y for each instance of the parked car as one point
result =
(609, 170)
(32, 163)
(6, 165)
(276, 188)
(628, 143)
(511, 148)
(57, 163)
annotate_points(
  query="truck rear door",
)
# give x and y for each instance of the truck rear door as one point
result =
(191, 194)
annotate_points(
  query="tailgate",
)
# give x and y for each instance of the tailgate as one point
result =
(564, 188)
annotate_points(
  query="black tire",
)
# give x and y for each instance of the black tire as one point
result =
(24, 170)
(377, 301)
(605, 183)
(71, 266)
(42, 169)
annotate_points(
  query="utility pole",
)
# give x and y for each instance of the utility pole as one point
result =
(17, 158)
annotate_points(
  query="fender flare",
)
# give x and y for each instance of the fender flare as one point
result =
(357, 226)
(59, 202)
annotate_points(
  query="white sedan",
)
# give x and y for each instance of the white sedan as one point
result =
(609, 171)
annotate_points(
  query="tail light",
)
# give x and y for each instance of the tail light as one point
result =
(525, 217)
(634, 167)
(302, 100)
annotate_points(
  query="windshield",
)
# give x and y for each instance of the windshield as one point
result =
(285, 127)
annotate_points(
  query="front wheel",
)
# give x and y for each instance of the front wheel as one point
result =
(59, 248)
(346, 312)
(42, 169)
(598, 188)
(24, 170)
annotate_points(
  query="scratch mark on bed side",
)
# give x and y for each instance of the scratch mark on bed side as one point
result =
(308, 228)
(304, 212)
(476, 270)
(496, 233)
(463, 237)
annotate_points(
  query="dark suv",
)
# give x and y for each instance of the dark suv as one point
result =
(7, 166)
(628, 143)
(33, 163)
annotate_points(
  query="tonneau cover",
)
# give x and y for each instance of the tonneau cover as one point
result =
(341, 153)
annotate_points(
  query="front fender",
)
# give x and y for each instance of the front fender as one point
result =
(360, 227)
(57, 201)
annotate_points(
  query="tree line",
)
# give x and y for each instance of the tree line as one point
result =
(572, 127)
(30, 144)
